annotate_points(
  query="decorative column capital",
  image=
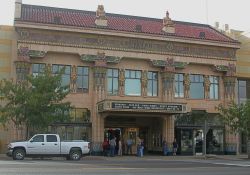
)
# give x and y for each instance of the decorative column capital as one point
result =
(186, 83)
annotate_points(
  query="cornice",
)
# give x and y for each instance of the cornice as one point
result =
(102, 31)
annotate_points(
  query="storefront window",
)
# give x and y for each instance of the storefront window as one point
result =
(82, 79)
(187, 141)
(133, 82)
(152, 84)
(112, 77)
(196, 87)
(179, 92)
(214, 87)
(80, 115)
(65, 76)
(214, 141)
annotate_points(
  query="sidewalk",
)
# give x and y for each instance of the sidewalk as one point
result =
(155, 157)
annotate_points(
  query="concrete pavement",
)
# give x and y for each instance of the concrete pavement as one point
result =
(154, 157)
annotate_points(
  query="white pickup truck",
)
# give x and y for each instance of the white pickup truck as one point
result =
(48, 145)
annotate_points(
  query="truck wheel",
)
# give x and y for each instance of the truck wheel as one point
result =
(75, 155)
(18, 154)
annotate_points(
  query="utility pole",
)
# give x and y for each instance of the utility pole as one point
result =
(205, 138)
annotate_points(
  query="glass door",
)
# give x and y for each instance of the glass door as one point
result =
(198, 141)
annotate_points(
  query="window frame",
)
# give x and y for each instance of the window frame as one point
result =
(151, 81)
(113, 78)
(179, 83)
(129, 77)
(83, 76)
(199, 82)
(59, 67)
(212, 87)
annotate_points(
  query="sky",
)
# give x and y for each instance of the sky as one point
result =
(232, 12)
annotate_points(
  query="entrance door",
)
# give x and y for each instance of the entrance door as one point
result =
(198, 141)
(131, 134)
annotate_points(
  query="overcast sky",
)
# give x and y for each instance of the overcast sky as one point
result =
(232, 12)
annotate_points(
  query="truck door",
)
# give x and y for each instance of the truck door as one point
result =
(52, 145)
(36, 145)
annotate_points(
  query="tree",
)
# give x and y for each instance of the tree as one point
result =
(237, 117)
(35, 103)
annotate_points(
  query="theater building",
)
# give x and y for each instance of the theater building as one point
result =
(132, 77)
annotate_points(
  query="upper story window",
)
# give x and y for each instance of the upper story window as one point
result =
(179, 87)
(82, 79)
(37, 69)
(214, 87)
(196, 87)
(152, 84)
(22, 70)
(112, 77)
(66, 74)
(242, 91)
(133, 82)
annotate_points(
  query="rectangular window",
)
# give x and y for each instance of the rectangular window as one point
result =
(113, 76)
(133, 82)
(242, 91)
(21, 72)
(79, 115)
(214, 87)
(65, 76)
(37, 69)
(152, 84)
(51, 138)
(196, 87)
(82, 79)
(179, 88)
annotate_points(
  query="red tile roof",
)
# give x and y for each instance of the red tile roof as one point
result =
(79, 18)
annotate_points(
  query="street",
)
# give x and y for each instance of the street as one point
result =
(126, 165)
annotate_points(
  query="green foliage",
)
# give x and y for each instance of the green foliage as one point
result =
(236, 116)
(36, 102)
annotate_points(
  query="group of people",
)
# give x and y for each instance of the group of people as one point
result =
(166, 149)
(109, 147)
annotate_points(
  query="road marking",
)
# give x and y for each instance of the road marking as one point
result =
(232, 164)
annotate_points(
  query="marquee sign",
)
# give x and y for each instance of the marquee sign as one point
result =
(108, 105)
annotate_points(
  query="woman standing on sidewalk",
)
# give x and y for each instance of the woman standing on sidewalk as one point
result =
(175, 147)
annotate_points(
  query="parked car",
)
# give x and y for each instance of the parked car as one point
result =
(48, 145)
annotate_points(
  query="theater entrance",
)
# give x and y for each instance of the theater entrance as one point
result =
(126, 135)
(124, 128)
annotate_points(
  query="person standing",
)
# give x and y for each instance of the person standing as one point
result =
(112, 146)
(105, 147)
(129, 146)
(165, 147)
(120, 148)
(175, 147)
(141, 148)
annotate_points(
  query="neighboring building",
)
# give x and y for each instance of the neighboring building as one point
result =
(132, 76)
(7, 48)
(243, 74)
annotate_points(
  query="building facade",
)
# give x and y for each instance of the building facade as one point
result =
(7, 52)
(132, 77)
(243, 74)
